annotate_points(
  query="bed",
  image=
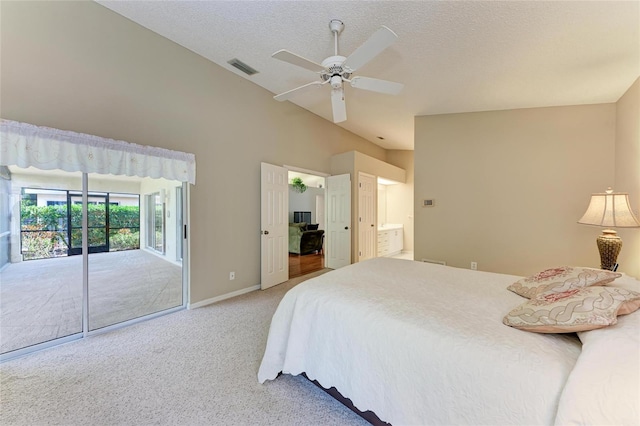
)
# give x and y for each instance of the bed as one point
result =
(419, 343)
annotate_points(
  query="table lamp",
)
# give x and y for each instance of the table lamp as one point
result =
(609, 210)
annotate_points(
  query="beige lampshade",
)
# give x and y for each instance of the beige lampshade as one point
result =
(610, 210)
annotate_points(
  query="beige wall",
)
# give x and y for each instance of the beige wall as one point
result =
(78, 66)
(400, 197)
(509, 186)
(627, 178)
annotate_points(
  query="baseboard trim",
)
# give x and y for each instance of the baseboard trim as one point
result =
(223, 297)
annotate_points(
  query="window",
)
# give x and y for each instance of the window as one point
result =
(155, 222)
(54, 228)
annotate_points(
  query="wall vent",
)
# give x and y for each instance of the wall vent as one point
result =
(237, 63)
(437, 262)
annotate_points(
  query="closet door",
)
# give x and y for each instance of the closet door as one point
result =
(73, 257)
(139, 274)
(367, 209)
(41, 284)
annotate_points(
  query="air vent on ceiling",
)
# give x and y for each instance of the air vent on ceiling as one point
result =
(237, 63)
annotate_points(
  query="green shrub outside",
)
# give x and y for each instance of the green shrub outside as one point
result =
(124, 239)
(53, 220)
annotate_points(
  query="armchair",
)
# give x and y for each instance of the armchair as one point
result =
(303, 241)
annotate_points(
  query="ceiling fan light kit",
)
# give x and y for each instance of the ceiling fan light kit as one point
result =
(337, 69)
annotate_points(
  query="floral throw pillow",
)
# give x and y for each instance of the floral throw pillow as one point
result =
(576, 309)
(561, 279)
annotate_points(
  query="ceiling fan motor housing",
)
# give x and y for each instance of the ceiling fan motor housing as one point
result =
(334, 71)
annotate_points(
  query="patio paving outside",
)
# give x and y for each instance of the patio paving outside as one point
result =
(41, 300)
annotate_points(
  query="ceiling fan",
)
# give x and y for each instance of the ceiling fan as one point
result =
(337, 69)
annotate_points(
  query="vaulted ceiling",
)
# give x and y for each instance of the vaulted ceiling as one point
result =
(452, 56)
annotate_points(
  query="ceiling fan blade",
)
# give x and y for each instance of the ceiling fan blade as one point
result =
(293, 92)
(292, 58)
(378, 41)
(377, 85)
(338, 105)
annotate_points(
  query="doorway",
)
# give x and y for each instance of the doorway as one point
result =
(306, 217)
(335, 250)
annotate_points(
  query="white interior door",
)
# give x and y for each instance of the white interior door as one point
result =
(338, 241)
(274, 225)
(367, 230)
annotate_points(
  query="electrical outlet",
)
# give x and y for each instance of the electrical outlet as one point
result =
(474, 266)
(232, 276)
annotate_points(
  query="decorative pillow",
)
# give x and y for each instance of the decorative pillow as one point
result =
(577, 309)
(561, 279)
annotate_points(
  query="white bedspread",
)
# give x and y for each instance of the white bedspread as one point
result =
(604, 386)
(419, 343)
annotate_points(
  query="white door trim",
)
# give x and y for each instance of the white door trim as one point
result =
(307, 171)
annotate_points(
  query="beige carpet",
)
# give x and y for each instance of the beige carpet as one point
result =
(195, 367)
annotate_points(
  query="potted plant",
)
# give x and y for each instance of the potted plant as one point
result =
(298, 185)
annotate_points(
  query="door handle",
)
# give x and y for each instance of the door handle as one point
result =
(265, 232)
(346, 227)
(372, 225)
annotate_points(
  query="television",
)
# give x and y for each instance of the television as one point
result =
(301, 217)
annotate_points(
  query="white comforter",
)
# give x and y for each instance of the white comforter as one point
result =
(420, 344)
(604, 385)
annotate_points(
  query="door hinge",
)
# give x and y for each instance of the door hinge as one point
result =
(185, 232)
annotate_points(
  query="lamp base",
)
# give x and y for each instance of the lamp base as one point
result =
(609, 245)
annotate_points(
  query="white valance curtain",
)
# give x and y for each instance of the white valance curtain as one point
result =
(26, 145)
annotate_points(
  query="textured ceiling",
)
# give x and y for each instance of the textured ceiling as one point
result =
(452, 56)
